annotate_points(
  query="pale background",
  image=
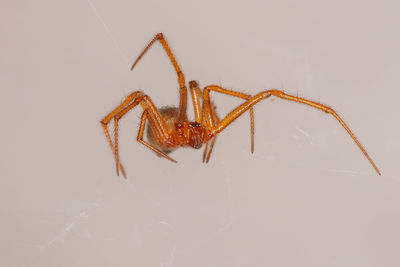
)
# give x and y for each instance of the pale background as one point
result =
(306, 197)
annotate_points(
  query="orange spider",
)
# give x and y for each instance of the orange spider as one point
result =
(170, 128)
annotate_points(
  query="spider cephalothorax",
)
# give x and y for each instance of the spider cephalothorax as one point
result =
(190, 134)
(169, 127)
(184, 133)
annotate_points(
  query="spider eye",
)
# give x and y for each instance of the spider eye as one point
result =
(179, 125)
(195, 124)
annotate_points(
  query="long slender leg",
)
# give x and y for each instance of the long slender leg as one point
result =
(156, 122)
(196, 96)
(140, 137)
(207, 106)
(160, 37)
(181, 115)
(216, 120)
(117, 117)
(263, 95)
(181, 78)
(107, 119)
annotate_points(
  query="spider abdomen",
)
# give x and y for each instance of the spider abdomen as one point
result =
(169, 115)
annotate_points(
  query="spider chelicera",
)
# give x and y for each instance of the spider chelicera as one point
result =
(170, 128)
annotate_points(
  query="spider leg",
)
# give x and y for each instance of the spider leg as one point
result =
(181, 78)
(209, 151)
(130, 102)
(205, 151)
(160, 37)
(117, 117)
(233, 115)
(156, 122)
(107, 119)
(216, 120)
(208, 112)
(196, 96)
(140, 137)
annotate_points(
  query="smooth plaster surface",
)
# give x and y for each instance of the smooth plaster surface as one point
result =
(306, 197)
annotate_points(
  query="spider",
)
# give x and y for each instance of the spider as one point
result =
(170, 128)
